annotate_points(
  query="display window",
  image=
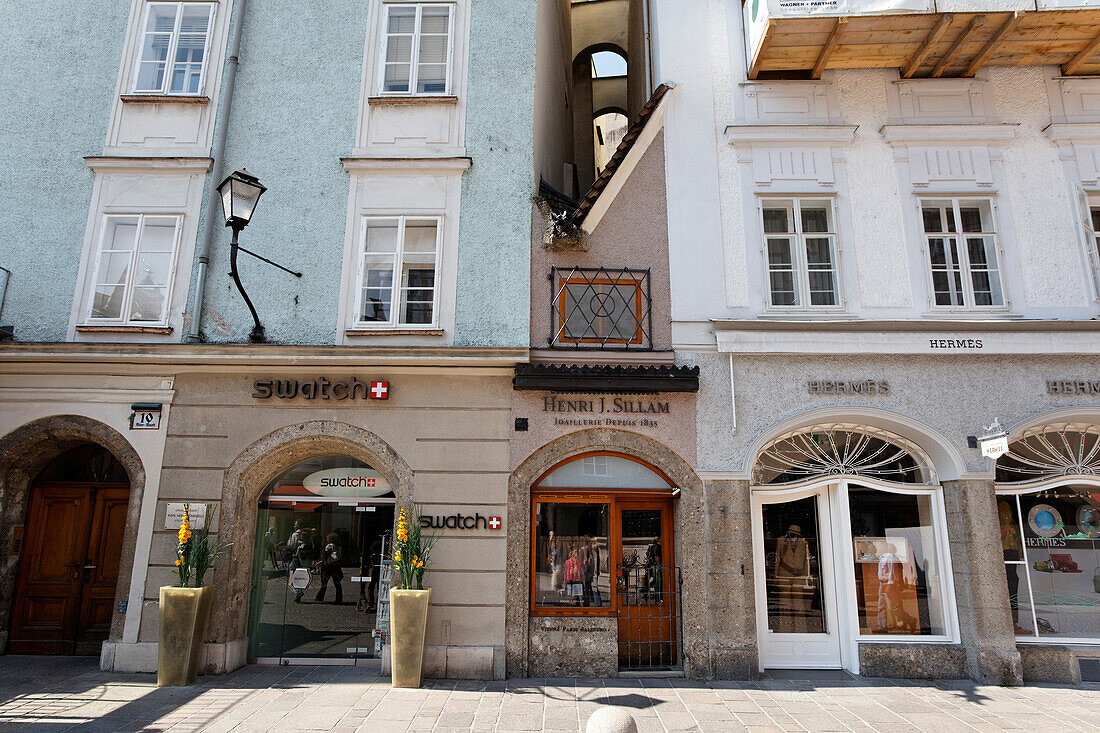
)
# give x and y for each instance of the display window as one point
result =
(850, 546)
(1048, 510)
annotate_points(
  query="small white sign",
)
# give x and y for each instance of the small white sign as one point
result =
(993, 447)
(173, 516)
(145, 420)
(299, 579)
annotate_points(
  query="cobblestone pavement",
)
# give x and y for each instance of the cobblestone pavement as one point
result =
(51, 694)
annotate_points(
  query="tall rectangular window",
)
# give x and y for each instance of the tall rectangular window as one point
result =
(133, 271)
(800, 244)
(962, 252)
(1092, 234)
(416, 49)
(399, 271)
(174, 45)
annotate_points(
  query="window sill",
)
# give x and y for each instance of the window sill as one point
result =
(396, 101)
(578, 612)
(164, 99)
(91, 328)
(368, 332)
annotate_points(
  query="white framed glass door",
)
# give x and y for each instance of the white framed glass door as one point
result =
(796, 597)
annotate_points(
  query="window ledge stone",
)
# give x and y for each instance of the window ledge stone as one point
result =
(96, 328)
(395, 101)
(164, 99)
(368, 332)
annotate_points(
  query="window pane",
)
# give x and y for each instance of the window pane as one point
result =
(822, 288)
(431, 78)
(783, 288)
(153, 268)
(381, 235)
(402, 20)
(819, 253)
(1061, 529)
(1095, 212)
(779, 253)
(792, 570)
(971, 219)
(420, 237)
(377, 288)
(159, 234)
(899, 590)
(776, 221)
(815, 218)
(983, 271)
(107, 301)
(433, 49)
(572, 558)
(148, 304)
(604, 472)
(399, 49)
(602, 311)
(1013, 550)
(120, 233)
(933, 221)
(435, 19)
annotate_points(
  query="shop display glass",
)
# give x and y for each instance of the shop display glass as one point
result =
(321, 531)
(793, 568)
(572, 550)
(896, 563)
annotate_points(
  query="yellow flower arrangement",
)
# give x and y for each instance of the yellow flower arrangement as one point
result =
(195, 552)
(410, 551)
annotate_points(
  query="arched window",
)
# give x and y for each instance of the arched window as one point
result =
(1048, 508)
(841, 450)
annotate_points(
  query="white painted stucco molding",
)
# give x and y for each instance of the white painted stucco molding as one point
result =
(928, 337)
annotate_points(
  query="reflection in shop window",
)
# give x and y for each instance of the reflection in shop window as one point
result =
(1051, 544)
(572, 546)
(897, 577)
(793, 569)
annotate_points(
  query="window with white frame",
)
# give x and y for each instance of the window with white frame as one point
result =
(175, 42)
(800, 246)
(135, 261)
(399, 271)
(416, 49)
(1092, 234)
(962, 252)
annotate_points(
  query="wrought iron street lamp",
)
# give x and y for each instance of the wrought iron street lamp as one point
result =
(240, 192)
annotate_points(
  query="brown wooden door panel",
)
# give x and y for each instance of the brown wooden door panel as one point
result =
(646, 581)
(65, 589)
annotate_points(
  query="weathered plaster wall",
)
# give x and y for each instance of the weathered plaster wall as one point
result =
(294, 116)
(633, 234)
(58, 87)
(553, 123)
(494, 251)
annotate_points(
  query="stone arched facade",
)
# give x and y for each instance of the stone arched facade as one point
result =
(246, 478)
(689, 511)
(24, 453)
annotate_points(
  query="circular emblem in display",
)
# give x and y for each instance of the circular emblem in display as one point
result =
(1045, 520)
(1088, 521)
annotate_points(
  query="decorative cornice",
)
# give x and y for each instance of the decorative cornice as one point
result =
(606, 378)
(450, 164)
(143, 164)
(938, 325)
(970, 134)
(1073, 132)
(788, 134)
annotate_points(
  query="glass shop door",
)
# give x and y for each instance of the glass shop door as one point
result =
(796, 601)
(315, 580)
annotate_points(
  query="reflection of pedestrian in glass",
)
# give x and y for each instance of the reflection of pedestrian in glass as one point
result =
(329, 567)
(890, 584)
(573, 576)
(588, 563)
(792, 570)
(1012, 549)
(592, 573)
(653, 568)
(270, 541)
(554, 561)
(305, 554)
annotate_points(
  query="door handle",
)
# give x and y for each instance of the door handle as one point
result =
(89, 567)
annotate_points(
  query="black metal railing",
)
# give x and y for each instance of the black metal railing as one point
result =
(600, 309)
(649, 618)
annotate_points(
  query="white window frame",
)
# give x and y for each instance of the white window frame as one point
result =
(124, 319)
(394, 322)
(800, 265)
(414, 57)
(170, 59)
(1090, 200)
(965, 271)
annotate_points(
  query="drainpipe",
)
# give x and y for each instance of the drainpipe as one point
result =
(647, 37)
(224, 107)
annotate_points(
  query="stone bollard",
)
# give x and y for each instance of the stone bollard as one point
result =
(611, 720)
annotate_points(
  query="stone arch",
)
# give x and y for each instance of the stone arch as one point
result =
(602, 46)
(24, 453)
(946, 459)
(658, 455)
(252, 470)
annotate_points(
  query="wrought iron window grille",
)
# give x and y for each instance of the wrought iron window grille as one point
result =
(600, 309)
(649, 615)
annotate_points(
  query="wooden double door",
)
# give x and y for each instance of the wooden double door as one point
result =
(68, 568)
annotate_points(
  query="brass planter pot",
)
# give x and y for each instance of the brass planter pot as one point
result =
(408, 625)
(184, 613)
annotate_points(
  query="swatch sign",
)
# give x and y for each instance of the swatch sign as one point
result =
(350, 482)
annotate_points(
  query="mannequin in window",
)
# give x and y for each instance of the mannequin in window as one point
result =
(892, 618)
(792, 570)
(554, 561)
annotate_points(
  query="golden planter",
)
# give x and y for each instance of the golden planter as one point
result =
(184, 613)
(408, 626)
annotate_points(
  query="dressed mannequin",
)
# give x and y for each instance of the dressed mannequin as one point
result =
(792, 570)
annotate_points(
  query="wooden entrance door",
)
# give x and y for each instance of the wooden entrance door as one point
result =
(65, 592)
(648, 586)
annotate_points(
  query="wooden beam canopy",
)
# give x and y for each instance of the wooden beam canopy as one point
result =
(933, 37)
(829, 47)
(1069, 69)
(975, 23)
(987, 50)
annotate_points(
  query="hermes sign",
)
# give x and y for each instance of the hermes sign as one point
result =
(848, 387)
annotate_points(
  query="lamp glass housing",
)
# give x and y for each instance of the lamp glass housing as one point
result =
(239, 193)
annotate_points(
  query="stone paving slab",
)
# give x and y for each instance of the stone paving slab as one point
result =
(46, 694)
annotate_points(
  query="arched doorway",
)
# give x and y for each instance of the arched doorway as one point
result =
(849, 545)
(319, 585)
(70, 550)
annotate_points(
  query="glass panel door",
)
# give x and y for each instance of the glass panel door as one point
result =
(648, 588)
(796, 608)
(314, 593)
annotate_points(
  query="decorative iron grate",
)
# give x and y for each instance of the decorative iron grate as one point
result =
(1050, 452)
(840, 450)
(600, 309)
(649, 619)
